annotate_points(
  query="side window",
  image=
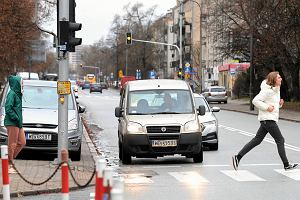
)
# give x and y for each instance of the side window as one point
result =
(122, 99)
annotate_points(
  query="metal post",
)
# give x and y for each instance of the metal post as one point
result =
(63, 76)
(180, 35)
(251, 70)
(126, 61)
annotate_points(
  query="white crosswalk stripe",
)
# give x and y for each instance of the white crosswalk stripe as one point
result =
(190, 177)
(293, 174)
(242, 175)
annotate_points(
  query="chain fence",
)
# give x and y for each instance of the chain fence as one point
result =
(53, 174)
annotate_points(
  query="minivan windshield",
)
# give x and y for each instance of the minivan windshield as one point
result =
(159, 102)
(38, 97)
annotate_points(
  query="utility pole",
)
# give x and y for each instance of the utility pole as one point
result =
(180, 36)
(63, 75)
(251, 58)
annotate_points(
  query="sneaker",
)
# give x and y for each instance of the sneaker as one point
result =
(235, 162)
(291, 166)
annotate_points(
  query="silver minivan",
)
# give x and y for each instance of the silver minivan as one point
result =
(158, 117)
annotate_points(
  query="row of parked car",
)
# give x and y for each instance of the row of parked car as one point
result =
(40, 118)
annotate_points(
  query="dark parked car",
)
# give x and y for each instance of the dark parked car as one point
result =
(104, 85)
(86, 85)
(95, 87)
(40, 114)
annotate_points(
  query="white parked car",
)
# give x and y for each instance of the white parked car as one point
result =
(209, 122)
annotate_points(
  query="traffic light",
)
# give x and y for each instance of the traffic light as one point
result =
(180, 73)
(73, 27)
(128, 38)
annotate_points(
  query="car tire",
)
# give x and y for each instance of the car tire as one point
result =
(126, 157)
(225, 102)
(214, 147)
(120, 150)
(198, 158)
(75, 155)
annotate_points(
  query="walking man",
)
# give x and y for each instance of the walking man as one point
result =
(268, 103)
(13, 120)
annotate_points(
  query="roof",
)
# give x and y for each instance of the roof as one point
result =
(151, 84)
(40, 83)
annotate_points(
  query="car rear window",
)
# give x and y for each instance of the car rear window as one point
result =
(217, 90)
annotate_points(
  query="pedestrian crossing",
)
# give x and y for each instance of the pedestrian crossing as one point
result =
(197, 177)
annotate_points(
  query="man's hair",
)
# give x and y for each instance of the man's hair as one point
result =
(271, 78)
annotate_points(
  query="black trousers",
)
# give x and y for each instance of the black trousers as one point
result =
(267, 126)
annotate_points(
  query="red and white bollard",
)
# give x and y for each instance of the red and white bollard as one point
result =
(107, 182)
(5, 177)
(65, 175)
(118, 188)
(99, 189)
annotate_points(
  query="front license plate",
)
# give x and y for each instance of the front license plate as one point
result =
(164, 143)
(30, 136)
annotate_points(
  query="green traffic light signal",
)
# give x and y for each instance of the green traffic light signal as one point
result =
(128, 38)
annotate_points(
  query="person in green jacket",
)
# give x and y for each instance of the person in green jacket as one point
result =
(13, 120)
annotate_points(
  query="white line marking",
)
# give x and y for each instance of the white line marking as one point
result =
(293, 174)
(287, 146)
(190, 177)
(242, 175)
(245, 165)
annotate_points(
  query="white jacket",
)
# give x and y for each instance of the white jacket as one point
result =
(268, 96)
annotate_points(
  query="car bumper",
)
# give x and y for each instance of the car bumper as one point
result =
(216, 99)
(74, 143)
(210, 138)
(140, 145)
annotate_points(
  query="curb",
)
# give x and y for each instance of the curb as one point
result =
(250, 113)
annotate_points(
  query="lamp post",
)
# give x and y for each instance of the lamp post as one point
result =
(200, 45)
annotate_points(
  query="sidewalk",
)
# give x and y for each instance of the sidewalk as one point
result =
(37, 171)
(244, 107)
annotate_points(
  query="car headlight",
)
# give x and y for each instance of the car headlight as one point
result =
(192, 126)
(72, 125)
(209, 126)
(134, 128)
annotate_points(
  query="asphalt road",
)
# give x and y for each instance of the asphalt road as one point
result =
(260, 175)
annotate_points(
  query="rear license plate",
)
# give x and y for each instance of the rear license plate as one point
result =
(30, 136)
(164, 143)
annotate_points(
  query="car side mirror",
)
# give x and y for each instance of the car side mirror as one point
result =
(81, 109)
(118, 112)
(201, 110)
(215, 109)
(76, 96)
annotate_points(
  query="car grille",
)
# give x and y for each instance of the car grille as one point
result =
(160, 129)
(43, 143)
(32, 125)
(163, 137)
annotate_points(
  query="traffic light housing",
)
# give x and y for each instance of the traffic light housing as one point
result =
(180, 73)
(73, 27)
(128, 38)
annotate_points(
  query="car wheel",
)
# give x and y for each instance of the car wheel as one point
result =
(214, 147)
(120, 150)
(225, 102)
(76, 155)
(198, 158)
(126, 157)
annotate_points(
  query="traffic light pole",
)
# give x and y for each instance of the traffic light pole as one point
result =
(161, 43)
(63, 73)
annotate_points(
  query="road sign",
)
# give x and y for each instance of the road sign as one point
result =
(63, 87)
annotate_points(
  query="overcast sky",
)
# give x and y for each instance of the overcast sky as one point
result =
(96, 15)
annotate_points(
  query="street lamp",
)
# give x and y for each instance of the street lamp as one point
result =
(200, 43)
